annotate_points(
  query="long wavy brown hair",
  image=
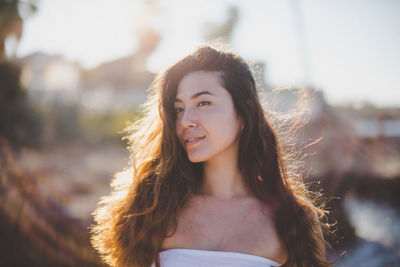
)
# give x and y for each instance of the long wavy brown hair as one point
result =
(132, 222)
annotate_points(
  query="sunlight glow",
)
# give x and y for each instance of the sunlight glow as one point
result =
(351, 45)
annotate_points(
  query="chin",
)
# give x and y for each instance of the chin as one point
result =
(196, 158)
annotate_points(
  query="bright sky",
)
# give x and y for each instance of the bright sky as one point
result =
(352, 45)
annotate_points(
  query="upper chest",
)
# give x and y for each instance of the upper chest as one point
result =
(243, 225)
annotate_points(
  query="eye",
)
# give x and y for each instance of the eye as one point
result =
(204, 103)
(178, 110)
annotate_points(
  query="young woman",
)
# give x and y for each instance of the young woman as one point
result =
(210, 184)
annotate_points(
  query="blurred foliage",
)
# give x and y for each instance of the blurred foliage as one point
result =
(106, 126)
(60, 121)
(11, 21)
(19, 122)
(30, 123)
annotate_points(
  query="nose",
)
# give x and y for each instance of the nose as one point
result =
(188, 119)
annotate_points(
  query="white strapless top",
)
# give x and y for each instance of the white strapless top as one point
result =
(182, 257)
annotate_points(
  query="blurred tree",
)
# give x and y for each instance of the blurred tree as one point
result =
(222, 31)
(18, 121)
(11, 21)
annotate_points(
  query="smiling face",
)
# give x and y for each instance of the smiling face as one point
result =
(206, 121)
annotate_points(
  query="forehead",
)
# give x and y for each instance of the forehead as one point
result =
(194, 82)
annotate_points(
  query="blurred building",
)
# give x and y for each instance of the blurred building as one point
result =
(113, 86)
(340, 139)
(50, 78)
(117, 85)
(121, 84)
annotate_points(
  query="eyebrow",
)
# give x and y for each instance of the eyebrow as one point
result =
(196, 95)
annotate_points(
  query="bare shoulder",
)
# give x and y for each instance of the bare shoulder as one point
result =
(270, 242)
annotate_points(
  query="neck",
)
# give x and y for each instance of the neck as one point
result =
(222, 179)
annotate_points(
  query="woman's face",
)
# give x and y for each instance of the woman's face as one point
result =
(206, 121)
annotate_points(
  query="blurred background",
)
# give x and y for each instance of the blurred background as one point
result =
(73, 73)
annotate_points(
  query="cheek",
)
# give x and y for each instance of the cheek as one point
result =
(225, 128)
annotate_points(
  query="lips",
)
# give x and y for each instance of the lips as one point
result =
(189, 141)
